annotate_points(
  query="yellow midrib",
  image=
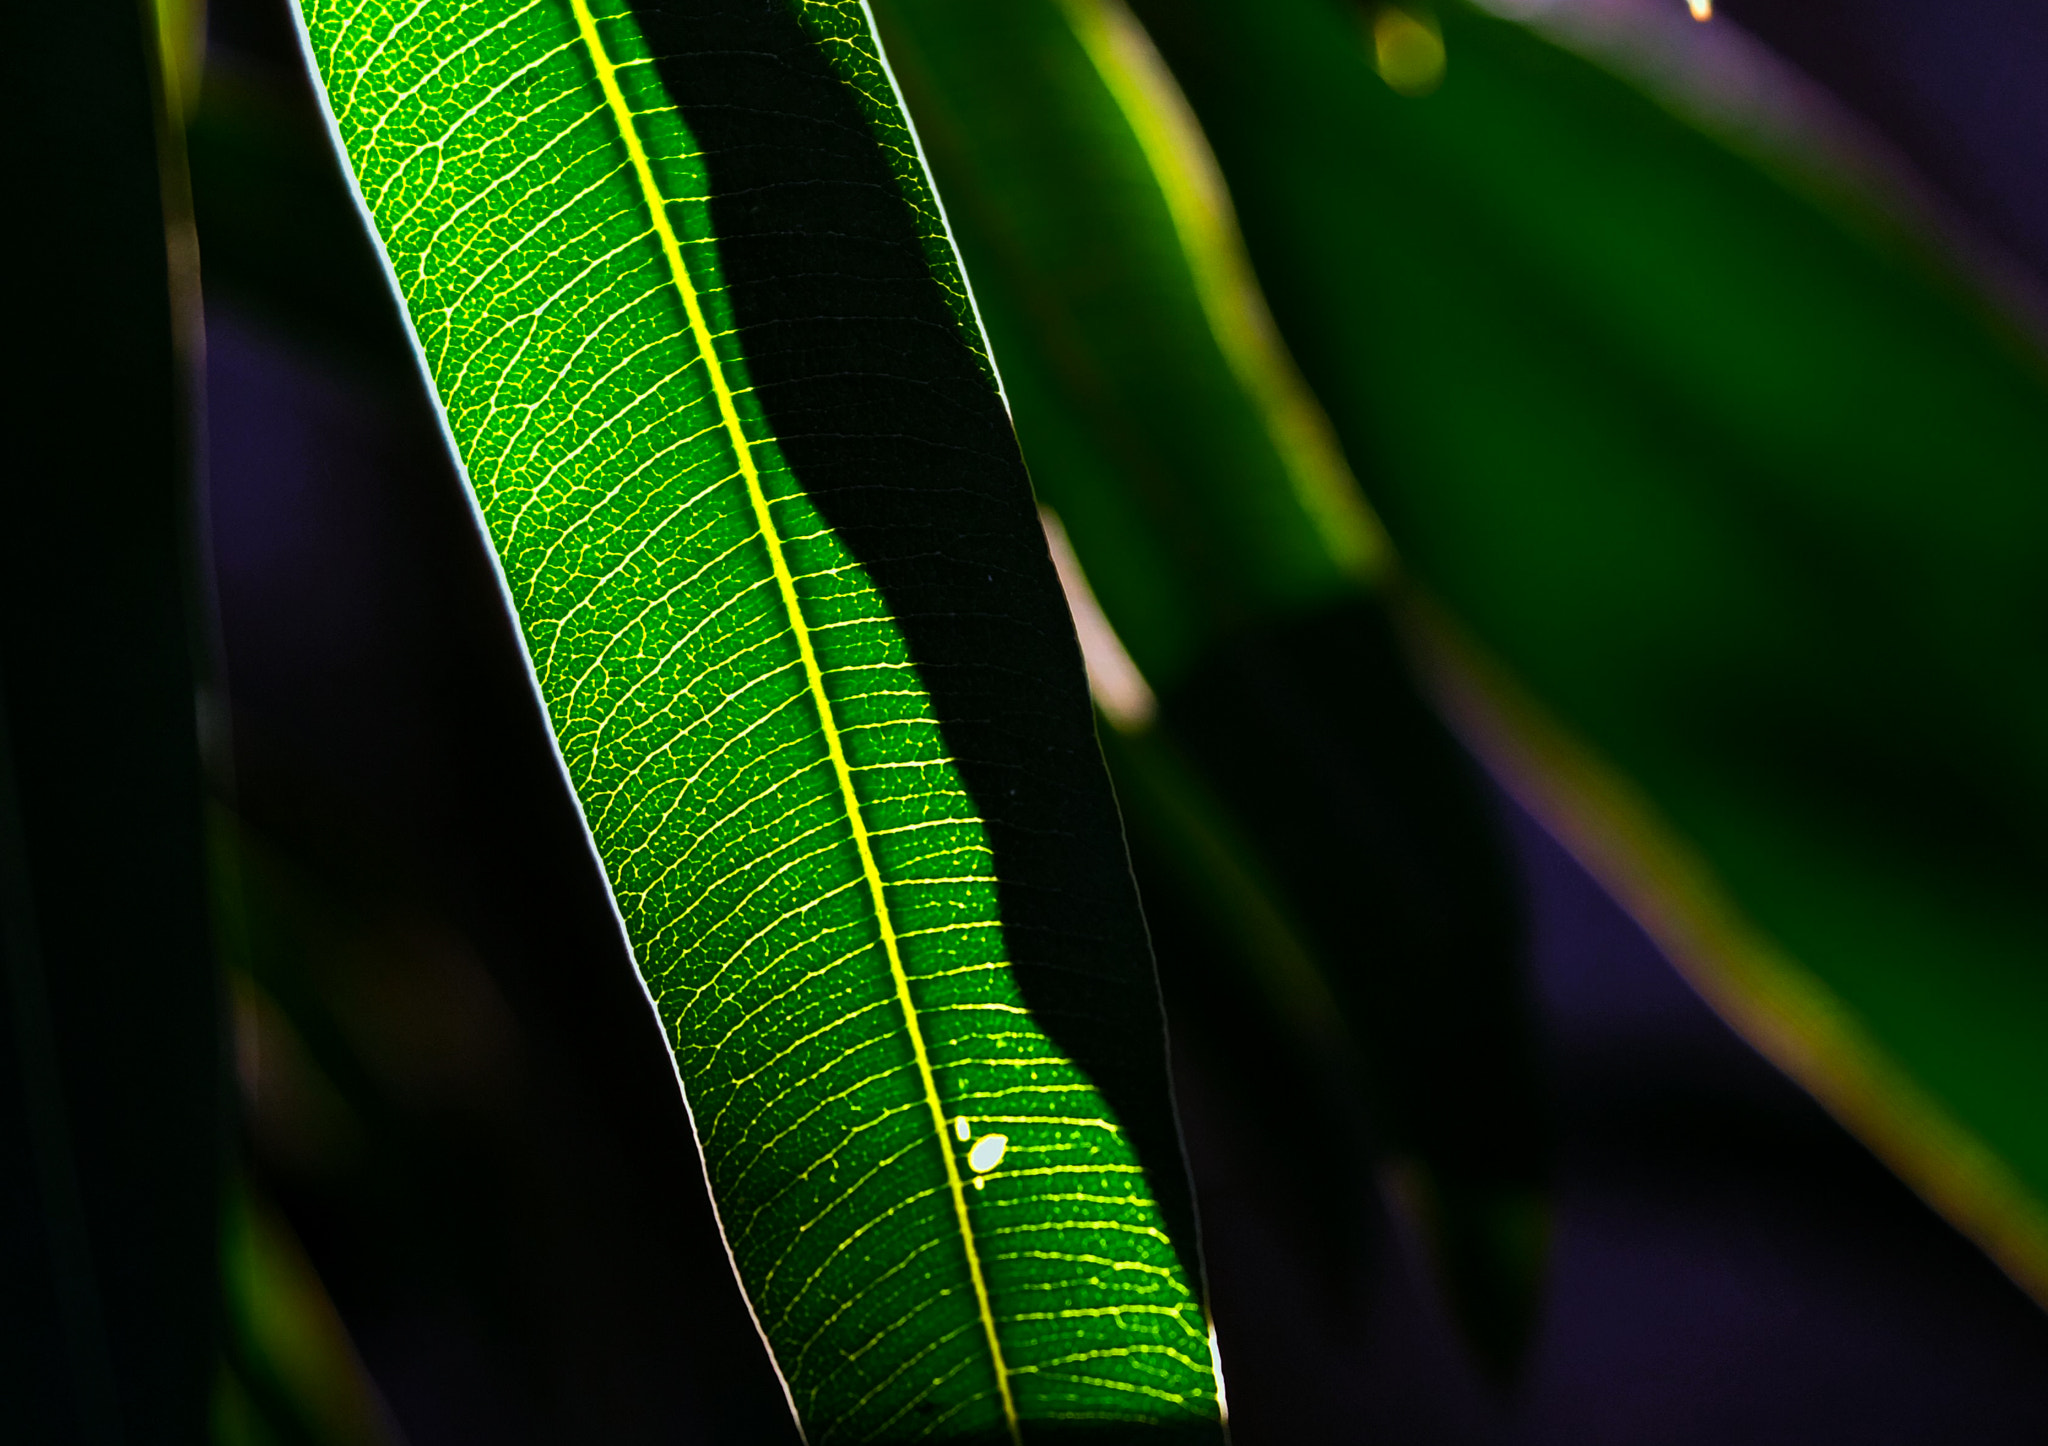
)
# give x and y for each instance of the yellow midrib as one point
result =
(728, 410)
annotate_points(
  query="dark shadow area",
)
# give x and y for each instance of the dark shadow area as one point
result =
(1729, 1264)
(112, 1065)
(1376, 832)
(1298, 725)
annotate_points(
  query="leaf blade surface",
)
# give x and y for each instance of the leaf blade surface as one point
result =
(1226, 540)
(737, 601)
(1731, 473)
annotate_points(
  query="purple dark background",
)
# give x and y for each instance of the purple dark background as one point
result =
(1960, 87)
(523, 1252)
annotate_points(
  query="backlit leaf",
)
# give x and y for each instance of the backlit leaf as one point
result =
(719, 390)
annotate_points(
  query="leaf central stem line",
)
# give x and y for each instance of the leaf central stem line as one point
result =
(728, 408)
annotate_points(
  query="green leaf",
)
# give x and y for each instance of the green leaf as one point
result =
(1280, 765)
(292, 1373)
(1197, 477)
(716, 382)
(1733, 488)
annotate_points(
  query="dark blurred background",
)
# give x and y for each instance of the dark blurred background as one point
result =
(461, 1116)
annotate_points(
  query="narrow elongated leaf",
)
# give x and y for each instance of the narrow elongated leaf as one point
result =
(715, 379)
(1197, 478)
(112, 1106)
(1740, 486)
(292, 1373)
(1219, 526)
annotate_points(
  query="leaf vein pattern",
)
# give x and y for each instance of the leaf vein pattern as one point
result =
(808, 887)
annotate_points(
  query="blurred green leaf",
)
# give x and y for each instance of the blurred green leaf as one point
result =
(292, 1373)
(704, 353)
(1199, 480)
(1733, 492)
(181, 52)
(1276, 752)
(112, 1104)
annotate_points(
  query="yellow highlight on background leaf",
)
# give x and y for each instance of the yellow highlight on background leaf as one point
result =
(1701, 9)
(1408, 51)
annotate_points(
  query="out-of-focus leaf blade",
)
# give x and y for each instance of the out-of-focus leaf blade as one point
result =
(702, 348)
(1173, 436)
(1226, 541)
(112, 1106)
(1743, 490)
(292, 1372)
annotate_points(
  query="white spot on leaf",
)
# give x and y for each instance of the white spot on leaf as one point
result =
(987, 1153)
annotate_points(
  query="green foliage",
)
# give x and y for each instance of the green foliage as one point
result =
(1291, 797)
(291, 1375)
(792, 618)
(1711, 504)
(1740, 486)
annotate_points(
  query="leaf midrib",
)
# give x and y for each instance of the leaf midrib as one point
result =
(679, 277)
